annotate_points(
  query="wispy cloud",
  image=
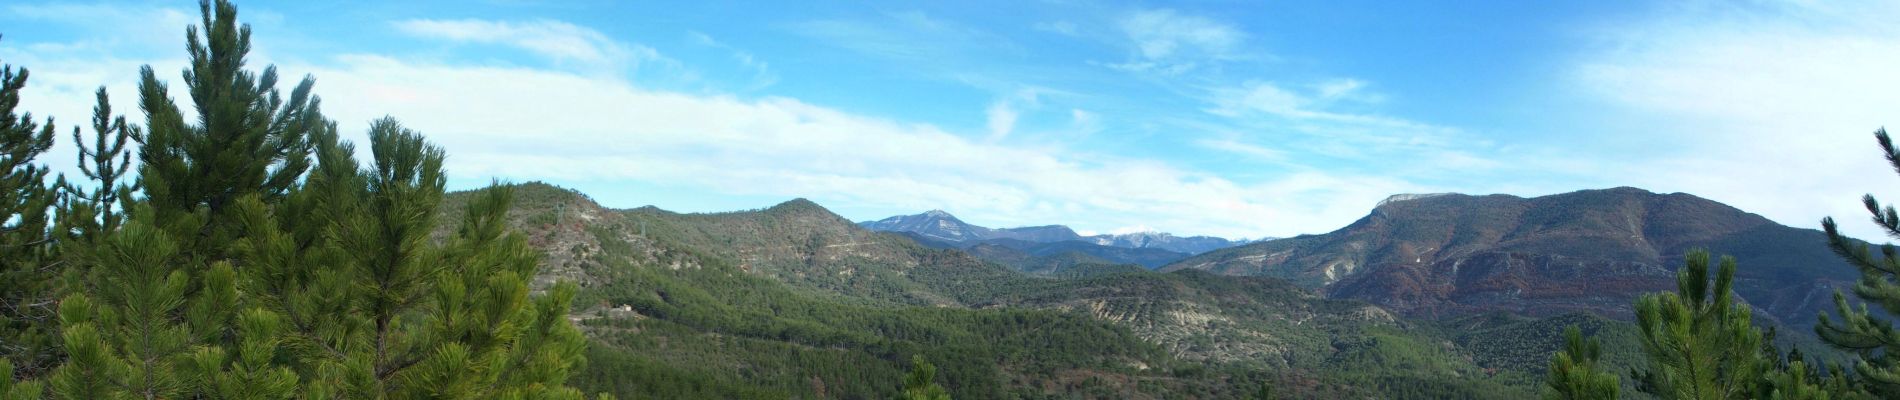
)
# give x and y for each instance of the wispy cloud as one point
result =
(905, 36)
(1061, 27)
(1003, 113)
(1084, 123)
(557, 41)
(1258, 97)
(1170, 42)
(1257, 152)
(762, 75)
(1002, 119)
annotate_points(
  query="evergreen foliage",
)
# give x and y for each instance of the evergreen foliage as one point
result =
(254, 258)
(1265, 393)
(1575, 372)
(1870, 335)
(105, 162)
(921, 382)
(1700, 343)
(28, 266)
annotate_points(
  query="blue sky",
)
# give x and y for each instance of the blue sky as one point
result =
(1239, 119)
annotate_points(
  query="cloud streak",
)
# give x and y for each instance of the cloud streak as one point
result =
(557, 41)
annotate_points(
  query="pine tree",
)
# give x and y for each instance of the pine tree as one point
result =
(1266, 392)
(1867, 334)
(921, 382)
(1576, 373)
(1795, 382)
(248, 139)
(1700, 344)
(137, 330)
(242, 269)
(1794, 376)
(28, 265)
(382, 310)
(91, 212)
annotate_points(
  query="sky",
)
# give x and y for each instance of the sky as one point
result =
(1241, 119)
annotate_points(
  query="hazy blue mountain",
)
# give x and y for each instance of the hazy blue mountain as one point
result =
(941, 226)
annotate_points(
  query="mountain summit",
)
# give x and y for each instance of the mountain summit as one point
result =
(1591, 250)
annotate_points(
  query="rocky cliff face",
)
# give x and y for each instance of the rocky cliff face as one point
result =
(1592, 250)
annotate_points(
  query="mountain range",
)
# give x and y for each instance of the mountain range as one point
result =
(793, 301)
(1048, 247)
(1439, 296)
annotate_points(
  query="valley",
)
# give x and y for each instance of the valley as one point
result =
(794, 301)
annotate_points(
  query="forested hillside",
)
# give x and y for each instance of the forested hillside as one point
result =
(791, 301)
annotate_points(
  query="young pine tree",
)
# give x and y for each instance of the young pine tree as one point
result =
(921, 382)
(1575, 372)
(1700, 344)
(248, 140)
(1867, 334)
(28, 264)
(1265, 392)
(89, 213)
(380, 309)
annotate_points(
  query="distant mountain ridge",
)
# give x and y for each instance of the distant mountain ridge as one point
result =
(1591, 250)
(941, 226)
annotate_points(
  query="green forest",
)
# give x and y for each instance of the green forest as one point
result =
(232, 246)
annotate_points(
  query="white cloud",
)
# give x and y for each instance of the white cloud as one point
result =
(762, 72)
(558, 41)
(1257, 152)
(1767, 107)
(140, 26)
(1346, 89)
(1253, 98)
(911, 36)
(1171, 43)
(1002, 119)
(1161, 34)
(1084, 123)
(1064, 28)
